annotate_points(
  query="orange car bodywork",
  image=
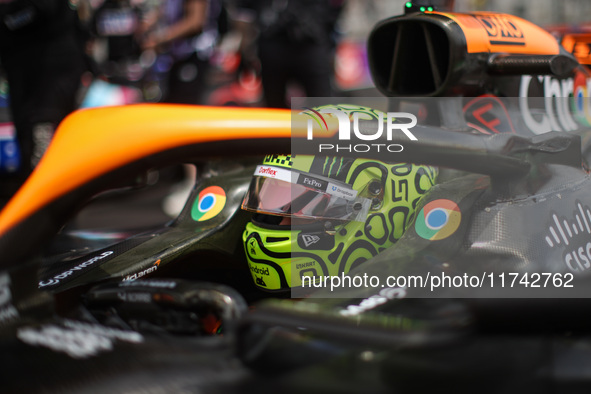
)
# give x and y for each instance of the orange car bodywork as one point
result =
(502, 33)
(92, 142)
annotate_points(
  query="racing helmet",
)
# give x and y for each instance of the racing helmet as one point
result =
(321, 216)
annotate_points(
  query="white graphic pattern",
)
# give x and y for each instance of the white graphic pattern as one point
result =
(561, 233)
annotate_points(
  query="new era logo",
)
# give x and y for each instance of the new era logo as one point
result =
(310, 239)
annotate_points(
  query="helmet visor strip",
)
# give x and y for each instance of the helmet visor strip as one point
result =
(284, 192)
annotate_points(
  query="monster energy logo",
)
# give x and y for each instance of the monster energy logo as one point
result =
(334, 166)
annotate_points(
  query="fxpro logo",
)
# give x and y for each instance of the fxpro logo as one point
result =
(366, 125)
(311, 182)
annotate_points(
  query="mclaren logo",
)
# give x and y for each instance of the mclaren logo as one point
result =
(147, 271)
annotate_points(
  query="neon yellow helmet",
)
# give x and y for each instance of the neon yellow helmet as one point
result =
(322, 216)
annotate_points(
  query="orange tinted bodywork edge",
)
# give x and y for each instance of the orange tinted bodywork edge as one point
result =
(501, 33)
(92, 142)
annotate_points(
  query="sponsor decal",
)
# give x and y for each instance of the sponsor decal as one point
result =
(259, 281)
(311, 182)
(383, 296)
(501, 29)
(140, 274)
(150, 283)
(488, 115)
(317, 241)
(259, 274)
(261, 271)
(76, 339)
(438, 220)
(310, 239)
(342, 192)
(145, 298)
(115, 333)
(273, 172)
(252, 244)
(305, 265)
(7, 311)
(269, 171)
(264, 275)
(209, 203)
(493, 32)
(572, 235)
(56, 279)
(308, 181)
(566, 103)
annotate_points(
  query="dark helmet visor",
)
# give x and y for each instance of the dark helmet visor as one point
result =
(283, 192)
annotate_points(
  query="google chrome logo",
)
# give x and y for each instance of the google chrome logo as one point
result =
(438, 220)
(209, 203)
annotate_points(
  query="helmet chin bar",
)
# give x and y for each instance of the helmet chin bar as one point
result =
(306, 225)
